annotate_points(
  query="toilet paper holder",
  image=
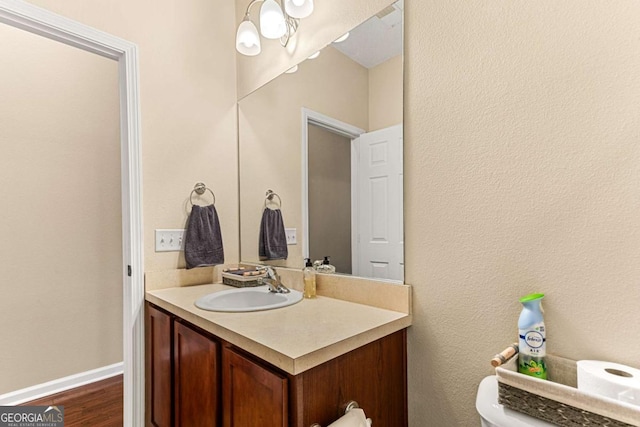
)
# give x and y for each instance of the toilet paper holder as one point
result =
(351, 405)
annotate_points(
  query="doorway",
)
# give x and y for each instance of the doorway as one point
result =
(353, 196)
(330, 189)
(60, 173)
(44, 23)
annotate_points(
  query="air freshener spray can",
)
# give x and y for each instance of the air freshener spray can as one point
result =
(533, 341)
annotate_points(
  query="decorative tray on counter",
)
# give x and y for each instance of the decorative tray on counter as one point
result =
(242, 276)
(558, 400)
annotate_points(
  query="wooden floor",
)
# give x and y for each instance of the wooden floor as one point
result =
(98, 404)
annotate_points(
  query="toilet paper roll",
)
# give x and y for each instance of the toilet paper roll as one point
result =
(354, 418)
(609, 379)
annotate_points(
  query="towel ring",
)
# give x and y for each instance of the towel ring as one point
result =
(200, 189)
(270, 194)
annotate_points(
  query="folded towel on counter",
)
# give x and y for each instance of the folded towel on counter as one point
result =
(203, 239)
(273, 239)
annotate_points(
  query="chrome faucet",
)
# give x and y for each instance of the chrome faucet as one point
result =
(273, 281)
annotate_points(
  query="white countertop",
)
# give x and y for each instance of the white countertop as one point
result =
(294, 338)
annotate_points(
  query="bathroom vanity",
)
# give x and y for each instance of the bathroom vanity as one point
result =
(293, 366)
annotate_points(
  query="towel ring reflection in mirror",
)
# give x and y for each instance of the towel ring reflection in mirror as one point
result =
(270, 194)
(200, 189)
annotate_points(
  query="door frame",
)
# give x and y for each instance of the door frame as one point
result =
(50, 25)
(345, 129)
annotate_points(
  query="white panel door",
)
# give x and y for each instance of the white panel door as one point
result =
(380, 221)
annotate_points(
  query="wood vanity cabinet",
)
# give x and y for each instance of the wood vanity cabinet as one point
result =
(182, 371)
(196, 379)
(254, 395)
(158, 362)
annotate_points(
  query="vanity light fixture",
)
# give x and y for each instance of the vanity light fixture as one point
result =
(315, 55)
(298, 8)
(247, 38)
(342, 38)
(272, 22)
(275, 23)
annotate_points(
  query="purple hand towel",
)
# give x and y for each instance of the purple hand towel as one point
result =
(203, 240)
(272, 243)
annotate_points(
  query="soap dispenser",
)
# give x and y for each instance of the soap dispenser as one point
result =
(327, 268)
(309, 277)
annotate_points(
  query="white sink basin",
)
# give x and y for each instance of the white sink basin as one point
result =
(247, 299)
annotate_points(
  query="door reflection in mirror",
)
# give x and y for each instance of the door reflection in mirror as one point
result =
(354, 189)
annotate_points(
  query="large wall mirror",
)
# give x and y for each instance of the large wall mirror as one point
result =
(326, 137)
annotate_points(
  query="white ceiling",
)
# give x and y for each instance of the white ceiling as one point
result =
(376, 40)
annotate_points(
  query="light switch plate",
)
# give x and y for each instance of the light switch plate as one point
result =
(169, 240)
(292, 238)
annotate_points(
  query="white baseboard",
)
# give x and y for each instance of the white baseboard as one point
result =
(56, 386)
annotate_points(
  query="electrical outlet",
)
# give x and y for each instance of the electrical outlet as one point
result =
(292, 239)
(169, 240)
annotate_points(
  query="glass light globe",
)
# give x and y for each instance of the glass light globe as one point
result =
(272, 25)
(341, 38)
(298, 8)
(248, 39)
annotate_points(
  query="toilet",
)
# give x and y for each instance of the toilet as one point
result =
(492, 414)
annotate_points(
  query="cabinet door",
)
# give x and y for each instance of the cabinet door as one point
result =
(196, 378)
(374, 375)
(252, 394)
(158, 367)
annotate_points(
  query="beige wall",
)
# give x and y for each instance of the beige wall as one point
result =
(385, 94)
(61, 254)
(330, 197)
(188, 96)
(270, 131)
(521, 165)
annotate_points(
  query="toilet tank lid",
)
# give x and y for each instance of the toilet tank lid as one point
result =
(490, 410)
